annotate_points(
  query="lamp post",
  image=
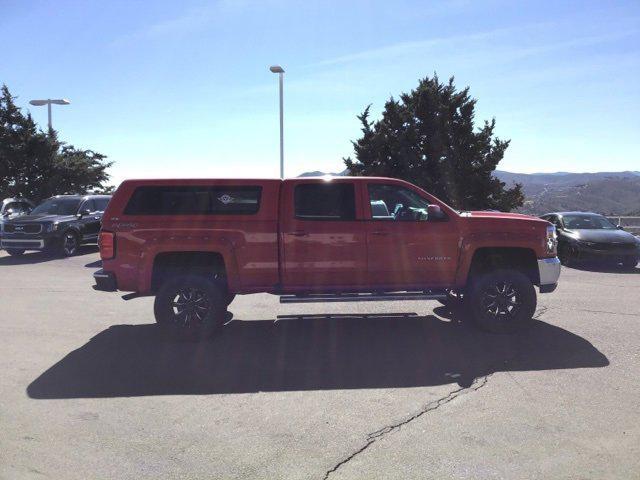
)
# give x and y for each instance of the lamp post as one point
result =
(280, 71)
(48, 102)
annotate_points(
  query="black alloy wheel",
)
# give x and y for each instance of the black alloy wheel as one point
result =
(453, 299)
(503, 301)
(70, 244)
(190, 307)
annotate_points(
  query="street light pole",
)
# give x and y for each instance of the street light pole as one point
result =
(48, 102)
(280, 71)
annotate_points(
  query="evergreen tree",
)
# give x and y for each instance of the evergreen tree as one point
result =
(37, 165)
(428, 138)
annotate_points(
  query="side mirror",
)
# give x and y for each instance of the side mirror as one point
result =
(434, 212)
(83, 212)
(620, 227)
(8, 212)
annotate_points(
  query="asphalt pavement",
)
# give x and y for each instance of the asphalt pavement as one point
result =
(392, 390)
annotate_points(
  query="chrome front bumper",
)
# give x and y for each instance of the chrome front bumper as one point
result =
(549, 272)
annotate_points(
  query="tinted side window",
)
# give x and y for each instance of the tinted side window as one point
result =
(194, 200)
(325, 201)
(101, 204)
(393, 202)
(88, 205)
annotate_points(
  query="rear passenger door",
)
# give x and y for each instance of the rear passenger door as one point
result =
(322, 236)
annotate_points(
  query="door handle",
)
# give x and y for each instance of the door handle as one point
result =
(299, 233)
(380, 232)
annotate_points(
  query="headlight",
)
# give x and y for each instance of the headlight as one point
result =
(551, 240)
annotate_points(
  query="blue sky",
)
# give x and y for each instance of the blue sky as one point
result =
(178, 89)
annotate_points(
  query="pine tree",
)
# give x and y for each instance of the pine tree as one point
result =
(428, 138)
(37, 165)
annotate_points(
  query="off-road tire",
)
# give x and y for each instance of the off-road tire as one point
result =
(515, 298)
(190, 307)
(452, 300)
(229, 297)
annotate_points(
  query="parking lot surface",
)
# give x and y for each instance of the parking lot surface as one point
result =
(370, 390)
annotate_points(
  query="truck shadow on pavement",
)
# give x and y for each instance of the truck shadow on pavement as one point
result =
(306, 354)
(30, 258)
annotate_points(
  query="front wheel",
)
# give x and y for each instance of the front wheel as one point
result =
(69, 244)
(566, 255)
(190, 307)
(503, 301)
(15, 252)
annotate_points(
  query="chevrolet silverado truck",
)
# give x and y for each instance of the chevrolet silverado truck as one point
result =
(195, 244)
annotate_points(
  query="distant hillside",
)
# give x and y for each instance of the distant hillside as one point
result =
(602, 192)
(608, 193)
(317, 173)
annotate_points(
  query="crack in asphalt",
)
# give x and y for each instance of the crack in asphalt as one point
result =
(431, 406)
(608, 313)
(540, 312)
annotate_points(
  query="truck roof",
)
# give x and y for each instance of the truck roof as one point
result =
(247, 181)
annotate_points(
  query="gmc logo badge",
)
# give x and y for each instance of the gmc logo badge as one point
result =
(19, 228)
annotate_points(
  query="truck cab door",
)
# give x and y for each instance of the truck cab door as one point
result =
(322, 236)
(405, 248)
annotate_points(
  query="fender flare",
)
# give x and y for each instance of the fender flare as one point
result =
(477, 241)
(222, 246)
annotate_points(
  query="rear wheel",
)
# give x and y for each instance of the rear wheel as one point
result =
(453, 299)
(229, 297)
(503, 301)
(15, 251)
(629, 262)
(190, 307)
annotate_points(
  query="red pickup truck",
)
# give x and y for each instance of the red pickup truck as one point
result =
(195, 244)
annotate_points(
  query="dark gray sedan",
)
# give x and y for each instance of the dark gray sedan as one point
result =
(590, 236)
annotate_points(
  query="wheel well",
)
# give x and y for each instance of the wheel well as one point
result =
(169, 264)
(521, 259)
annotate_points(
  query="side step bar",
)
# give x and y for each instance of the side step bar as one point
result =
(361, 297)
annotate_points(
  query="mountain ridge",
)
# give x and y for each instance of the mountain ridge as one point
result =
(608, 193)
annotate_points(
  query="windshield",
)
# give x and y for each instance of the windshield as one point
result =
(58, 206)
(16, 207)
(587, 222)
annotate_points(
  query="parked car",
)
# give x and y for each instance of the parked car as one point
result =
(59, 224)
(14, 207)
(195, 244)
(589, 236)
